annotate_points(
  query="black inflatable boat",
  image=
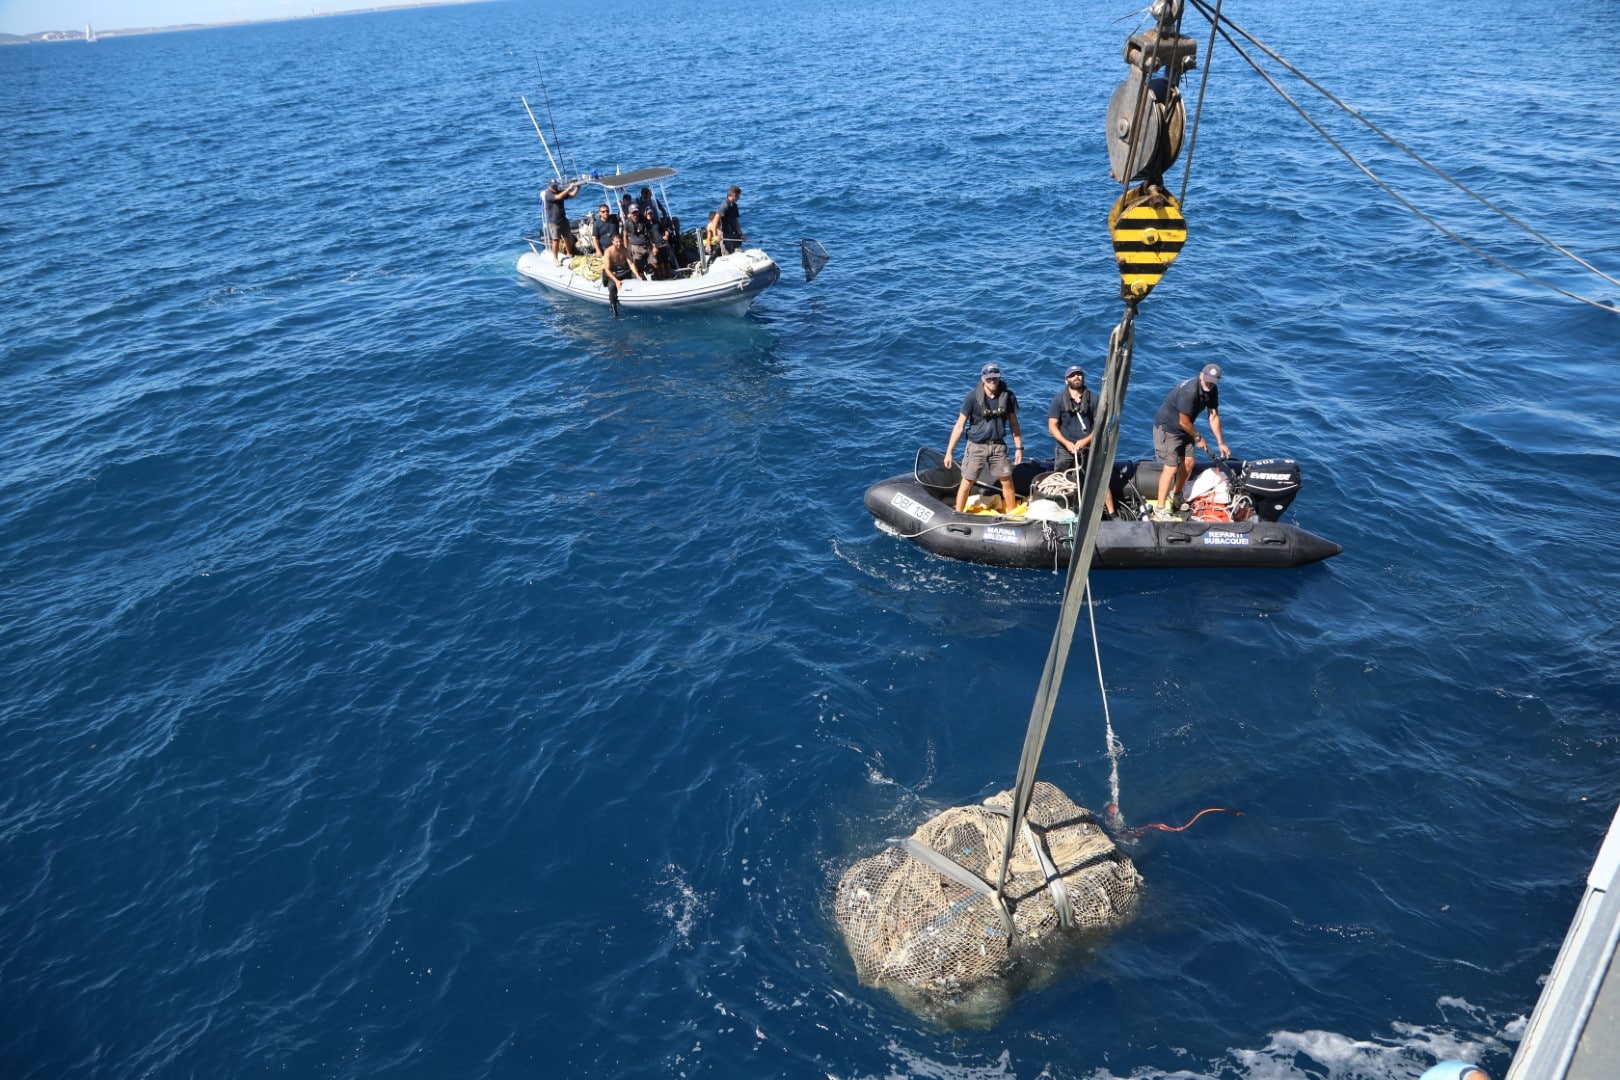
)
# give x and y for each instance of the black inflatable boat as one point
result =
(920, 506)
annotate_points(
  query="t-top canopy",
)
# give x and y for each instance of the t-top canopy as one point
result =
(634, 178)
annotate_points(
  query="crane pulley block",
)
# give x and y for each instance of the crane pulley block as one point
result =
(1148, 233)
(1151, 50)
(1146, 123)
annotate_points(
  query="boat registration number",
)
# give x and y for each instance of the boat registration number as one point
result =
(912, 507)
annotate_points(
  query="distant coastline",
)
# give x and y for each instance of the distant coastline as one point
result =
(49, 36)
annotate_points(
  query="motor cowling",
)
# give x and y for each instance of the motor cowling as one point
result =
(1272, 483)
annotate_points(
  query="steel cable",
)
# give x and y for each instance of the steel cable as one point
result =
(1348, 156)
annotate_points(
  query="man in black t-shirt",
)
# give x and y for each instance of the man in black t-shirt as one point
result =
(1072, 421)
(555, 201)
(1174, 434)
(730, 224)
(988, 412)
(603, 229)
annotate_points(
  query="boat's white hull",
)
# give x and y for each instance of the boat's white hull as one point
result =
(729, 284)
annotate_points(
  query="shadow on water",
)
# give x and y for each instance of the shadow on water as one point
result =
(897, 567)
(696, 335)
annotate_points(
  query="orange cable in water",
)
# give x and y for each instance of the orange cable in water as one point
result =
(1139, 830)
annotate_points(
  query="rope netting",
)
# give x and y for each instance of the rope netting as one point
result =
(941, 946)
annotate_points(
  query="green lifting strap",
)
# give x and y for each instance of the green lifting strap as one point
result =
(1099, 468)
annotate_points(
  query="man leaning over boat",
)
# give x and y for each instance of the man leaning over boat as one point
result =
(1175, 435)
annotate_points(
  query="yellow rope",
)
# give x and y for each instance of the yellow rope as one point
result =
(587, 266)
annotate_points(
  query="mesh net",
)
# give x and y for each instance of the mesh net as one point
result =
(941, 948)
(814, 256)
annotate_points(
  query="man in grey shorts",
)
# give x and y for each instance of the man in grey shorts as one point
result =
(1174, 434)
(988, 412)
(555, 201)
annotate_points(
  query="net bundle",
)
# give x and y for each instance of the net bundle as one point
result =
(942, 948)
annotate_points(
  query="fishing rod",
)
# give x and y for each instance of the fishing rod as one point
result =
(542, 135)
(546, 94)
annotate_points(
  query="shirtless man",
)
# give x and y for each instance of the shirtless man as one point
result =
(617, 266)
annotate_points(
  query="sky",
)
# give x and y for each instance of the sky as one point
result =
(32, 16)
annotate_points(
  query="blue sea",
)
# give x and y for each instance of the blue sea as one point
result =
(413, 673)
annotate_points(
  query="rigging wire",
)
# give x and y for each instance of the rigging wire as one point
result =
(1220, 26)
(1203, 85)
(1408, 151)
(1138, 118)
(1116, 749)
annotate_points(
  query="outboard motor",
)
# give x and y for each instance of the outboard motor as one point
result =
(1140, 476)
(1272, 484)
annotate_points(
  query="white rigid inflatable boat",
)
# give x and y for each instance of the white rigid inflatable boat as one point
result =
(726, 283)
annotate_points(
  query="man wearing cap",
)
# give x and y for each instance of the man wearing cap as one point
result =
(1072, 420)
(554, 199)
(1174, 435)
(638, 235)
(988, 412)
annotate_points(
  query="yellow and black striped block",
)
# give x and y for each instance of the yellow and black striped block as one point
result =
(1147, 239)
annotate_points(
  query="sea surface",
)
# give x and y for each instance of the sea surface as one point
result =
(411, 673)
